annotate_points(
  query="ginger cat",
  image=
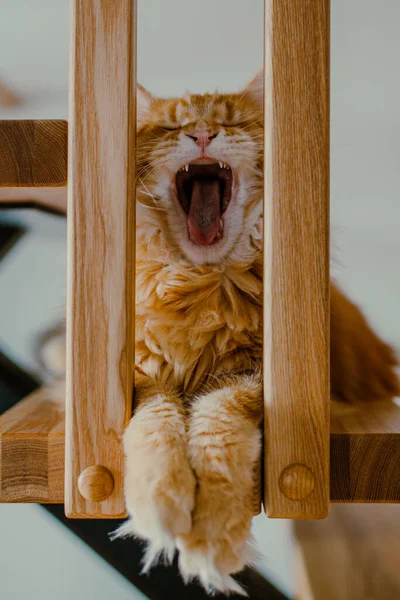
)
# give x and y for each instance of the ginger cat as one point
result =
(194, 437)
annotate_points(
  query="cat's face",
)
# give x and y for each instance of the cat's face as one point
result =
(200, 170)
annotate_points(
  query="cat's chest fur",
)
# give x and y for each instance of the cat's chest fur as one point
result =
(192, 322)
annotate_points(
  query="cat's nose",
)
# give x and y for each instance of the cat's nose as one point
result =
(202, 136)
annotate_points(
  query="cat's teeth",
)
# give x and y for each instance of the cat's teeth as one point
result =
(186, 167)
(221, 164)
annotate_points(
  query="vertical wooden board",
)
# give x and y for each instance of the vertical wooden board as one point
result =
(296, 305)
(100, 313)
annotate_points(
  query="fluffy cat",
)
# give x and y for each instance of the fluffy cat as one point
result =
(193, 443)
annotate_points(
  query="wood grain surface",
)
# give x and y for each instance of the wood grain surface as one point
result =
(296, 276)
(365, 460)
(33, 153)
(354, 554)
(101, 229)
(32, 450)
(33, 164)
(365, 452)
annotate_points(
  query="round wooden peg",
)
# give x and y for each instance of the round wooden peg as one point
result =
(297, 482)
(96, 483)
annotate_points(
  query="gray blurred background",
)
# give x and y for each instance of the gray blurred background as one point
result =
(199, 46)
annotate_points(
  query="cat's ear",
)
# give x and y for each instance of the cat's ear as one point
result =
(255, 89)
(144, 101)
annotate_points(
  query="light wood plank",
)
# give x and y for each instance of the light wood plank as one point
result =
(365, 452)
(100, 320)
(296, 305)
(351, 555)
(32, 449)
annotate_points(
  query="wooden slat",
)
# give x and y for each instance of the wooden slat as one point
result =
(32, 449)
(351, 555)
(33, 164)
(365, 452)
(296, 305)
(100, 307)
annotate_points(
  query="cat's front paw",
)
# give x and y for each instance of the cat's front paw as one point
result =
(159, 488)
(224, 451)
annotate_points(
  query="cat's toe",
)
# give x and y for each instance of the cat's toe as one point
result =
(212, 562)
(160, 508)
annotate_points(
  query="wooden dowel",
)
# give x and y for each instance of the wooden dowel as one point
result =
(100, 311)
(296, 305)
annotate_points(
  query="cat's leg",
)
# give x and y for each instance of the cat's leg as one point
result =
(159, 482)
(363, 367)
(224, 447)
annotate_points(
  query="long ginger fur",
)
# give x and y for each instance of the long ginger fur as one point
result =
(193, 443)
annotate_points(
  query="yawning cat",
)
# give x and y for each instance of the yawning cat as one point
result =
(194, 439)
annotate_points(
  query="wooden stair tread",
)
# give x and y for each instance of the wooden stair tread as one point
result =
(365, 451)
(32, 436)
(34, 164)
(351, 555)
(365, 419)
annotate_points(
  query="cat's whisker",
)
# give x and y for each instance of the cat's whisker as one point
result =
(150, 207)
(149, 194)
(151, 167)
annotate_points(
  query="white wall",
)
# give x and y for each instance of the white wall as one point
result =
(187, 44)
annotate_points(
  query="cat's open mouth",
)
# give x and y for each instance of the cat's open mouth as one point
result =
(204, 192)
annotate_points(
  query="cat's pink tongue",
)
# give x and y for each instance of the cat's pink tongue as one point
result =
(204, 219)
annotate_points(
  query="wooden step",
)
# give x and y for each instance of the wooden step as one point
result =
(365, 451)
(33, 164)
(32, 436)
